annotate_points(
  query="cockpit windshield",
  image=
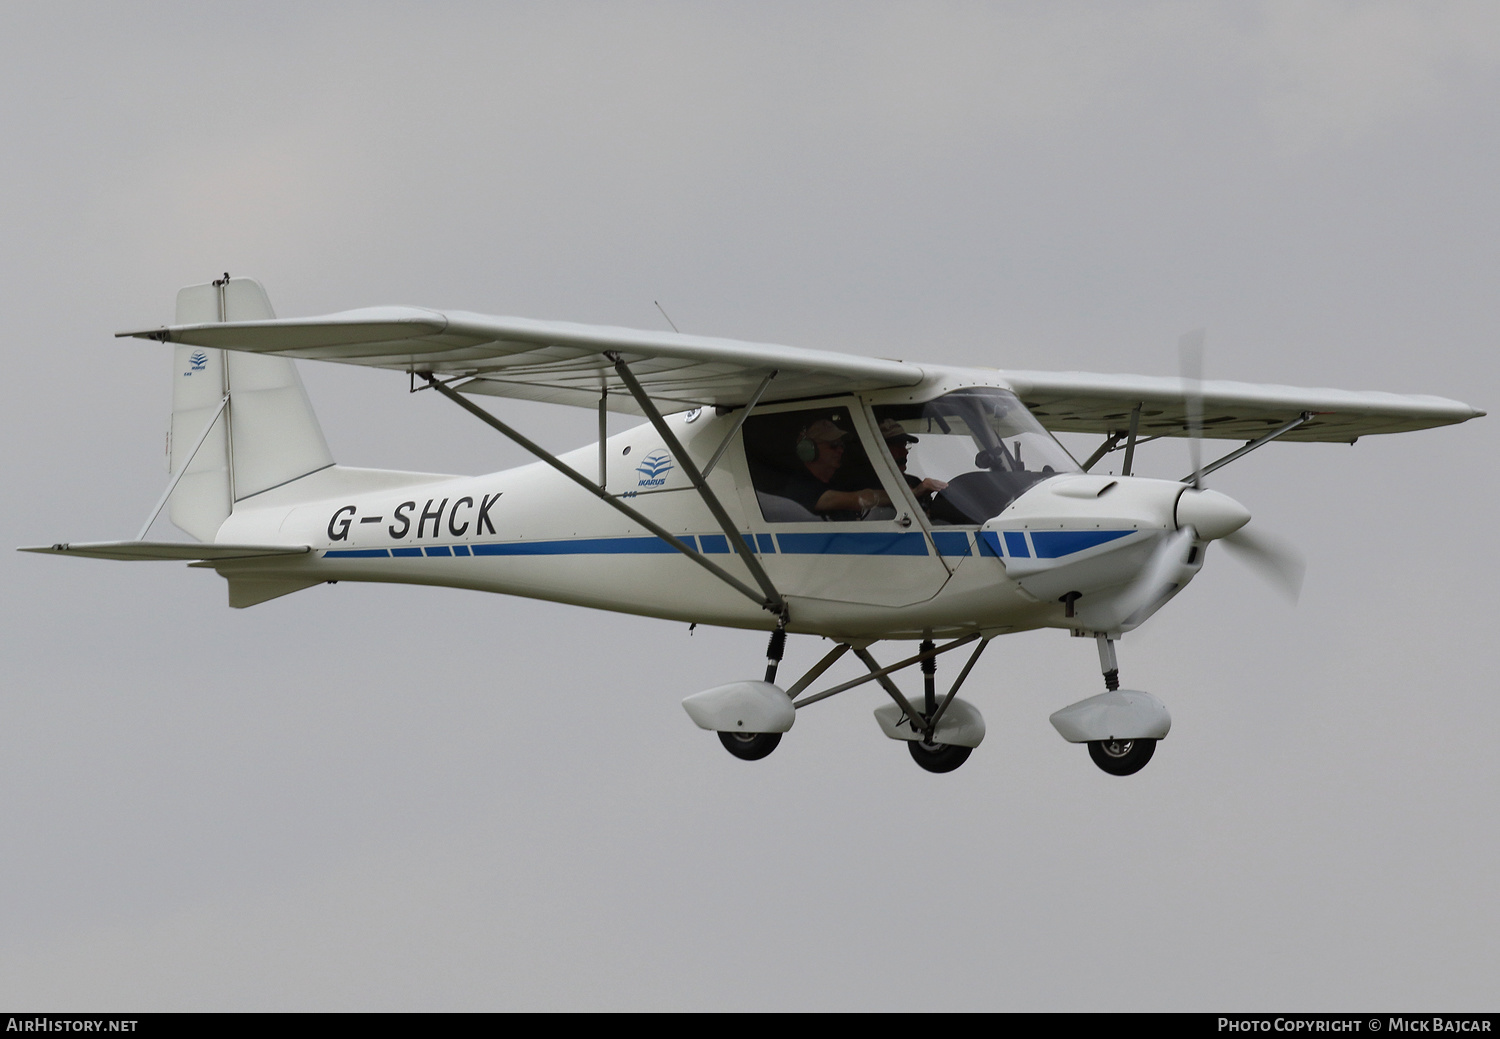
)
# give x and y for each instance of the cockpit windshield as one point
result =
(981, 442)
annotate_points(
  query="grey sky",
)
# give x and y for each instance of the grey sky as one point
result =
(366, 797)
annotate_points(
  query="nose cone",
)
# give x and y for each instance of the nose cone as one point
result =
(1211, 514)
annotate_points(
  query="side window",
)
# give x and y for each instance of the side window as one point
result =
(967, 455)
(809, 466)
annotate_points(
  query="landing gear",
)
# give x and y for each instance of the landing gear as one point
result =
(939, 732)
(1120, 726)
(1121, 757)
(752, 746)
(938, 757)
(934, 757)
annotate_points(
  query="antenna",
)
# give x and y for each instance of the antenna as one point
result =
(669, 320)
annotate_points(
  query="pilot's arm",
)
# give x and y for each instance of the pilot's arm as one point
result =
(851, 501)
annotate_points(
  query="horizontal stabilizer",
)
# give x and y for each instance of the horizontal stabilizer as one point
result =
(133, 550)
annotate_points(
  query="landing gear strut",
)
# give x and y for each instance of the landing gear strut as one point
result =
(940, 734)
(934, 757)
(1118, 757)
(752, 746)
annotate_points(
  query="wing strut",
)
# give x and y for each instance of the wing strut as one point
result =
(773, 597)
(1241, 452)
(744, 414)
(1112, 442)
(1104, 449)
(776, 605)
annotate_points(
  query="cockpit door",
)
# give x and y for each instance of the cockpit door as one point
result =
(829, 521)
(985, 450)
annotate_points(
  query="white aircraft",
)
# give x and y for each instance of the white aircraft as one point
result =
(775, 488)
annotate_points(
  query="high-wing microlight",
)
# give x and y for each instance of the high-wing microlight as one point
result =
(788, 490)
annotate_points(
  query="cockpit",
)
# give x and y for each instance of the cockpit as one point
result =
(964, 456)
(981, 442)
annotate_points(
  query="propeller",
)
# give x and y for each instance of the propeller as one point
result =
(1276, 561)
(1190, 367)
(1157, 577)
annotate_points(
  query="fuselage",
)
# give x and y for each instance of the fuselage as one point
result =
(896, 570)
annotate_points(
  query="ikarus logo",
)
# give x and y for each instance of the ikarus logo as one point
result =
(199, 361)
(654, 469)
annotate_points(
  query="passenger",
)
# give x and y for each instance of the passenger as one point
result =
(896, 440)
(820, 448)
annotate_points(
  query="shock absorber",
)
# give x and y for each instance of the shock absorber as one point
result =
(929, 679)
(1107, 662)
(775, 650)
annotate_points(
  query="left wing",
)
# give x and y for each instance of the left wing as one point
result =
(554, 361)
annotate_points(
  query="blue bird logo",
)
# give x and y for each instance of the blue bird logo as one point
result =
(654, 469)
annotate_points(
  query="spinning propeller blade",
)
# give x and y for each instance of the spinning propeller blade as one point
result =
(1275, 560)
(1159, 574)
(1190, 365)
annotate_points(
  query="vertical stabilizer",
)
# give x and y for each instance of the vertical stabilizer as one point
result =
(267, 435)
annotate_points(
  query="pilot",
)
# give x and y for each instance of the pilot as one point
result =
(820, 448)
(896, 440)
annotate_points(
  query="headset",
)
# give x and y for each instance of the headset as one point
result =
(807, 448)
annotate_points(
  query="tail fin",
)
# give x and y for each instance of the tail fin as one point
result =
(267, 434)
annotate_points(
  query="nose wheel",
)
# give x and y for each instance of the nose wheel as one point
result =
(1122, 757)
(1120, 726)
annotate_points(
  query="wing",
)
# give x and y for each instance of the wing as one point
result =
(565, 363)
(1083, 402)
(553, 361)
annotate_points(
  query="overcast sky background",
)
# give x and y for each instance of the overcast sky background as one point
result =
(368, 797)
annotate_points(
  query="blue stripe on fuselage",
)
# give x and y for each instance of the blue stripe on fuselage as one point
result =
(857, 543)
(1050, 544)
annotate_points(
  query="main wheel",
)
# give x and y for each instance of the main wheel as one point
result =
(938, 757)
(1121, 757)
(749, 746)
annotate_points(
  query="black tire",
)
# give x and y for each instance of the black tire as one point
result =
(750, 746)
(1121, 757)
(938, 757)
